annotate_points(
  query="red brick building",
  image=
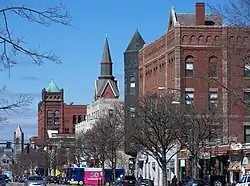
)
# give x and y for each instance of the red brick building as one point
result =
(206, 60)
(54, 114)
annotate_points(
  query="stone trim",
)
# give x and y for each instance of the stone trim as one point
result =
(213, 89)
(189, 89)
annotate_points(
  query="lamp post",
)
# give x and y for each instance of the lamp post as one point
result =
(192, 127)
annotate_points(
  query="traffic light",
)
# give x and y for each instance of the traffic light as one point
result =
(50, 146)
(28, 148)
(8, 145)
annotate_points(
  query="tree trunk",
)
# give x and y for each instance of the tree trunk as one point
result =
(164, 174)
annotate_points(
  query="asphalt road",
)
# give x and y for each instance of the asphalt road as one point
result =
(22, 184)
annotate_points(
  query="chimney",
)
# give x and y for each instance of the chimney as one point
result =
(200, 13)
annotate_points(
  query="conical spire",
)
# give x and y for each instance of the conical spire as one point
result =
(136, 43)
(106, 64)
(52, 87)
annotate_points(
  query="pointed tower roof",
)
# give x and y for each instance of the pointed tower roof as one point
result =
(136, 43)
(52, 87)
(106, 85)
(18, 130)
(106, 57)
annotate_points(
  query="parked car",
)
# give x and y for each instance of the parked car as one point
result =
(54, 179)
(129, 180)
(2, 180)
(147, 182)
(35, 180)
(196, 182)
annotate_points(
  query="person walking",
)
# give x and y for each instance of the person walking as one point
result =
(174, 181)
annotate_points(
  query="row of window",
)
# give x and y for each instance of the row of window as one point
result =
(53, 118)
(212, 72)
(78, 119)
(213, 98)
(189, 66)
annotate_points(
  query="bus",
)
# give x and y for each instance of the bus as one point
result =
(108, 175)
(75, 176)
(93, 176)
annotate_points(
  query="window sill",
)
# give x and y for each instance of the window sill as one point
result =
(246, 78)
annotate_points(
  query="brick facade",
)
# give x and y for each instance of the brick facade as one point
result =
(200, 42)
(54, 114)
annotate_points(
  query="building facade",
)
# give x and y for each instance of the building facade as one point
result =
(18, 141)
(201, 57)
(55, 114)
(106, 93)
(131, 87)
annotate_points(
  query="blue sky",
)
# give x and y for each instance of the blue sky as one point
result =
(80, 47)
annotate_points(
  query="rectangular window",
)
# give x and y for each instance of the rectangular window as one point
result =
(247, 67)
(247, 96)
(189, 69)
(132, 84)
(213, 100)
(50, 121)
(247, 134)
(189, 97)
(132, 111)
(212, 70)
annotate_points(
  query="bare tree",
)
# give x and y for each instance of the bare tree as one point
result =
(235, 13)
(155, 124)
(197, 130)
(13, 47)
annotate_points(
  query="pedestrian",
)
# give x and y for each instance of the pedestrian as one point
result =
(174, 181)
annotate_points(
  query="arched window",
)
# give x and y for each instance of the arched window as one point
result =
(247, 67)
(213, 66)
(56, 117)
(84, 117)
(49, 118)
(132, 85)
(74, 119)
(189, 66)
(132, 82)
(79, 118)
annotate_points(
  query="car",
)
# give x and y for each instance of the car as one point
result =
(7, 179)
(129, 180)
(147, 182)
(54, 179)
(2, 180)
(35, 180)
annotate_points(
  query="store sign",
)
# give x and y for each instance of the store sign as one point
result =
(236, 146)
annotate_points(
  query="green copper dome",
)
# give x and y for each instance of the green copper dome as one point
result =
(52, 87)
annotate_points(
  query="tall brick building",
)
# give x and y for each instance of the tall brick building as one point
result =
(54, 114)
(206, 60)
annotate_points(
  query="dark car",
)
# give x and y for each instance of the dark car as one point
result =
(2, 180)
(7, 179)
(195, 182)
(129, 180)
(147, 182)
(54, 179)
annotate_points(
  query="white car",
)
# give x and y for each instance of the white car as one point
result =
(244, 181)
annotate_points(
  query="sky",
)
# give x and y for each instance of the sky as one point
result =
(80, 47)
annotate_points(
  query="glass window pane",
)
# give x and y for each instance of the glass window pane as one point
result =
(189, 66)
(213, 95)
(247, 139)
(132, 84)
(189, 95)
(247, 131)
(188, 102)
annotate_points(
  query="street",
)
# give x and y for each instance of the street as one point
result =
(21, 184)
